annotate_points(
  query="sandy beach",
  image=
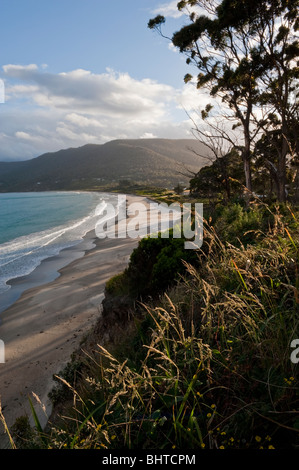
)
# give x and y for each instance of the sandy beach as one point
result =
(47, 323)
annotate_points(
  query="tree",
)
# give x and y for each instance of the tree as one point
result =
(224, 156)
(222, 55)
(272, 27)
(266, 161)
(222, 177)
(246, 52)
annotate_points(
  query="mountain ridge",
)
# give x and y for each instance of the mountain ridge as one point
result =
(153, 162)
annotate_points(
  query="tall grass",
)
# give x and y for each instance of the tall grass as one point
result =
(209, 366)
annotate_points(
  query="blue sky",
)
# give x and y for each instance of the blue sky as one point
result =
(89, 71)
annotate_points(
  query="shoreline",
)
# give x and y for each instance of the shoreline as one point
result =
(46, 324)
(47, 271)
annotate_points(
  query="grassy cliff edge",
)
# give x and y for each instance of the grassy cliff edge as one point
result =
(203, 363)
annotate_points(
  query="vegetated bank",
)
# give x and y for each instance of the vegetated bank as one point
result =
(193, 349)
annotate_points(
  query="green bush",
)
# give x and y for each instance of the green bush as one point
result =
(117, 285)
(156, 263)
(238, 225)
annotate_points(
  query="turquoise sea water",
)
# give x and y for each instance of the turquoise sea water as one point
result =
(37, 226)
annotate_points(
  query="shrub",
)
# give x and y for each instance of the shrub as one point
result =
(240, 225)
(117, 285)
(156, 263)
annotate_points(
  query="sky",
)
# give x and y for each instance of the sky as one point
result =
(90, 71)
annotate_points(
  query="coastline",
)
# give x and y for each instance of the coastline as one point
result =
(46, 324)
(46, 272)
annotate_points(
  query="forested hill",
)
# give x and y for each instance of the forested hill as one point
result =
(154, 162)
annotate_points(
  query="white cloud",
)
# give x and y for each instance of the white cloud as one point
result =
(169, 9)
(148, 135)
(65, 132)
(193, 99)
(82, 121)
(46, 112)
(22, 89)
(17, 70)
(172, 48)
(26, 136)
(109, 92)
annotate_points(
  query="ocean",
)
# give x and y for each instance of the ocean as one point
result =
(42, 232)
(35, 227)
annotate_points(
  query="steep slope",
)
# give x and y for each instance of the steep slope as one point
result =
(155, 162)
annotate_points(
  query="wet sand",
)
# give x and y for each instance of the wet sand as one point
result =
(46, 324)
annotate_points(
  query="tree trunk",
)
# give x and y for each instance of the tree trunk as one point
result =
(247, 170)
(281, 180)
(227, 188)
(223, 165)
(281, 167)
(247, 161)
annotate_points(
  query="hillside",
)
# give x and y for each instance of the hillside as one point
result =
(153, 162)
(188, 356)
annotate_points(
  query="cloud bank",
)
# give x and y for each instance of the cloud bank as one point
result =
(46, 112)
